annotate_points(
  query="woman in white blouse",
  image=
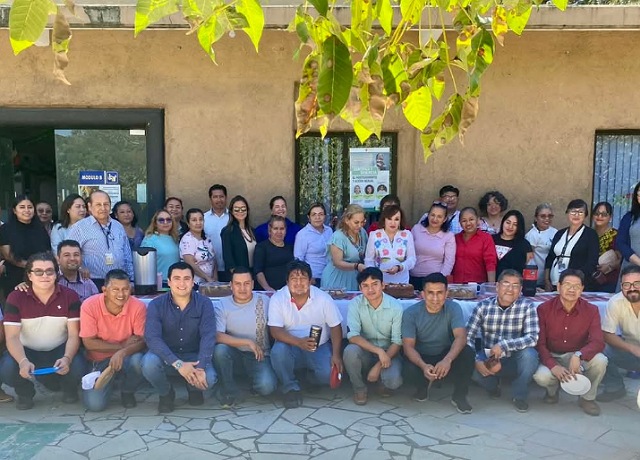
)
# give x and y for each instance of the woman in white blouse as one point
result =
(391, 249)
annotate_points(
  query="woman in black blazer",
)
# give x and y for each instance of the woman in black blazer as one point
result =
(238, 238)
(575, 246)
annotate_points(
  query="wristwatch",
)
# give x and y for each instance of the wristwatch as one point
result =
(578, 354)
(178, 364)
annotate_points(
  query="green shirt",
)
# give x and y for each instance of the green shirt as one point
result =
(381, 326)
(433, 332)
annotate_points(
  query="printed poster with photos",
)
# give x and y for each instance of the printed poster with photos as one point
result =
(369, 176)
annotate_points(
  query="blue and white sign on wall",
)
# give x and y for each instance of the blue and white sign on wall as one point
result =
(111, 177)
(98, 178)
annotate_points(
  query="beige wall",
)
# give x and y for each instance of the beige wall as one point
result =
(233, 123)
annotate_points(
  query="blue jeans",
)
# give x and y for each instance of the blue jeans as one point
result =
(522, 364)
(97, 400)
(286, 358)
(6, 374)
(612, 380)
(261, 373)
(157, 372)
(358, 360)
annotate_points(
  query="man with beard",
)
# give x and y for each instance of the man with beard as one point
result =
(70, 259)
(623, 351)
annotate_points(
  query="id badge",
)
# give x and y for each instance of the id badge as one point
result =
(108, 258)
(562, 265)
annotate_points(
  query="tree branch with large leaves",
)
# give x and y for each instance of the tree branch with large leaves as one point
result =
(355, 72)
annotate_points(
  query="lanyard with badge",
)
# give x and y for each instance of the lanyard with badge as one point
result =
(560, 260)
(109, 259)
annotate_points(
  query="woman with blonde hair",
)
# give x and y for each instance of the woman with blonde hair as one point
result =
(162, 234)
(346, 251)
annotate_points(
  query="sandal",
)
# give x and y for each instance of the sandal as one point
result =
(5, 398)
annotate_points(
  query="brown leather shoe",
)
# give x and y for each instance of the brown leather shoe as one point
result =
(589, 407)
(360, 397)
(551, 398)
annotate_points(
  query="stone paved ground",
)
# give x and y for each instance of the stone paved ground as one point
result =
(328, 426)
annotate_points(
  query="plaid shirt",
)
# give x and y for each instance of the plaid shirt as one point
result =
(514, 328)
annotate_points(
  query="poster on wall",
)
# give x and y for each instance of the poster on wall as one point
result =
(369, 176)
(107, 181)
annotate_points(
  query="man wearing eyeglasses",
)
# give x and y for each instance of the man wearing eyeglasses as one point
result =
(623, 310)
(42, 331)
(571, 342)
(449, 195)
(508, 326)
(103, 240)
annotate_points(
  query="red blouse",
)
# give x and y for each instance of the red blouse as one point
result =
(474, 258)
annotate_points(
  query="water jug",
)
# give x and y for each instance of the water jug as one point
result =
(145, 271)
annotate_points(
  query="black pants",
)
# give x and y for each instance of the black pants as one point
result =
(460, 373)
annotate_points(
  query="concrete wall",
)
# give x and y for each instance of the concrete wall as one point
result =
(542, 101)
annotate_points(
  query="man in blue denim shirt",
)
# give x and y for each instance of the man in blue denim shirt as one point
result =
(181, 334)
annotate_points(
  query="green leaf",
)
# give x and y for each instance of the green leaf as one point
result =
(361, 16)
(560, 4)
(255, 17)
(198, 8)
(481, 56)
(411, 10)
(417, 108)
(517, 21)
(444, 127)
(211, 31)
(150, 11)
(321, 6)
(336, 76)
(27, 20)
(393, 73)
(384, 13)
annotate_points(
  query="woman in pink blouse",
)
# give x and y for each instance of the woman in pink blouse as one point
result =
(435, 246)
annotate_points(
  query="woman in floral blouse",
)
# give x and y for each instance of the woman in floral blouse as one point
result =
(391, 249)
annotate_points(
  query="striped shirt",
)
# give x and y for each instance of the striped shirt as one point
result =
(85, 288)
(97, 240)
(513, 328)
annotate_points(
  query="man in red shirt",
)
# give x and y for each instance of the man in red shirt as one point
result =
(571, 342)
(112, 330)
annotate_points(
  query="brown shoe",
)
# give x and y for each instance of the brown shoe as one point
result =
(589, 407)
(383, 391)
(551, 398)
(360, 397)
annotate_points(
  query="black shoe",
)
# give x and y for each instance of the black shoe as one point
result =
(128, 400)
(165, 404)
(609, 396)
(24, 403)
(521, 405)
(292, 399)
(227, 402)
(495, 393)
(70, 397)
(462, 405)
(196, 398)
(421, 394)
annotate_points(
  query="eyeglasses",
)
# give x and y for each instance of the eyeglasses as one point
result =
(601, 214)
(507, 285)
(162, 220)
(451, 196)
(239, 209)
(627, 285)
(545, 216)
(39, 272)
(576, 212)
(571, 286)
(317, 214)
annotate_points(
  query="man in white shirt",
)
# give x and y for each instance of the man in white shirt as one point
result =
(242, 339)
(215, 220)
(293, 310)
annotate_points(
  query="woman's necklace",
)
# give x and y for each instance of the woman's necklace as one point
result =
(246, 235)
(357, 243)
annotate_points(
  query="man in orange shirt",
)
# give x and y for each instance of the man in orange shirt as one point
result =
(112, 330)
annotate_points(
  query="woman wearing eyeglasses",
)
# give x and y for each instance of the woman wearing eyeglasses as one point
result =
(575, 246)
(492, 205)
(609, 261)
(238, 237)
(312, 242)
(162, 234)
(628, 241)
(540, 237)
(435, 246)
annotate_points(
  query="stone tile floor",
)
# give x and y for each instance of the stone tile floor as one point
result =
(328, 426)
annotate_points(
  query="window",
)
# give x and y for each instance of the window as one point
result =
(322, 170)
(616, 170)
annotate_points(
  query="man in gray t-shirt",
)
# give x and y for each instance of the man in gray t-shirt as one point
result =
(242, 338)
(434, 340)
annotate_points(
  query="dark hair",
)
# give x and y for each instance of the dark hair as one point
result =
(510, 272)
(12, 216)
(90, 198)
(578, 203)
(499, 197)
(217, 187)
(446, 224)
(571, 272)
(21, 247)
(297, 265)
(273, 200)
(68, 243)
(390, 198)
(436, 277)
(240, 271)
(114, 212)
(65, 218)
(389, 212)
(233, 220)
(519, 218)
(39, 257)
(368, 190)
(369, 272)
(635, 205)
(180, 266)
(447, 189)
(173, 198)
(115, 274)
(607, 207)
(317, 204)
(195, 211)
(629, 269)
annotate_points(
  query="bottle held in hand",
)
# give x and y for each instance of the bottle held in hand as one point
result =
(315, 332)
